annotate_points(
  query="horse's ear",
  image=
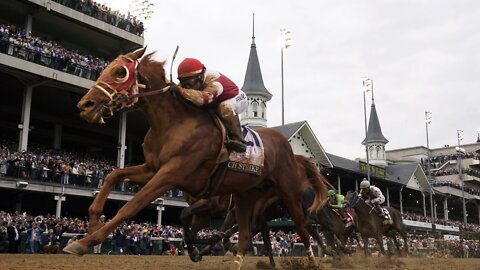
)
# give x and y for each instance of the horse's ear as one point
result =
(138, 53)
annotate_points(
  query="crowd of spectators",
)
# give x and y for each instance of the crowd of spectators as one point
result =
(439, 161)
(470, 227)
(45, 231)
(17, 42)
(445, 183)
(104, 13)
(66, 167)
(58, 166)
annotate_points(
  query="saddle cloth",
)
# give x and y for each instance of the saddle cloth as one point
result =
(388, 219)
(252, 160)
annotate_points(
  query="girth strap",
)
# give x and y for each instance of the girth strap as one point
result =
(214, 181)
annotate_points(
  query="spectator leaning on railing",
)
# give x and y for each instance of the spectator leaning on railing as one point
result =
(101, 12)
(16, 42)
(60, 166)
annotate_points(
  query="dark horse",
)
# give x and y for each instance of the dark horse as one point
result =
(334, 228)
(372, 226)
(181, 150)
(268, 206)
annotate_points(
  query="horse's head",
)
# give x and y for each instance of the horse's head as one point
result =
(352, 198)
(113, 89)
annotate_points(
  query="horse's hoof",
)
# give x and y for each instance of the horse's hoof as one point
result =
(195, 255)
(75, 248)
(228, 256)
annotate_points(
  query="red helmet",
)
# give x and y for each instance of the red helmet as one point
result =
(189, 67)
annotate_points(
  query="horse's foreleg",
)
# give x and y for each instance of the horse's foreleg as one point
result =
(193, 218)
(397, 244)
(243, 214)
(294, 206)
(314, 233)
(136, 174)
(379, 239)
(365, 245)
(227, 245)
(405, 243)
(262, 224)
(153, 189)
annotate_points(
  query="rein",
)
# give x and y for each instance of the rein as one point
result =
(150, 93)
(355, 201)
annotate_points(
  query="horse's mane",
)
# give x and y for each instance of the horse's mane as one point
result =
(152, 69)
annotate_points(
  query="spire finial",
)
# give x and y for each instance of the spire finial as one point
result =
(253, 30)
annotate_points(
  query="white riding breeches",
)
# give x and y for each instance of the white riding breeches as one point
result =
(238, 104)
(379, 200)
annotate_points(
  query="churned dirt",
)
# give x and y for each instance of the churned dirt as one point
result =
(131, 262)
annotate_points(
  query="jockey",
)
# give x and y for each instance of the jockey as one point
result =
(207, 88)
(337, 202)
(372, 195)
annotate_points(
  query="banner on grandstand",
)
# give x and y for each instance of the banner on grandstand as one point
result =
(374, 170)
(451, 237)
(447, 228)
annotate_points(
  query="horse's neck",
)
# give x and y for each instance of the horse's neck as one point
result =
(164, 111)
(362, 207)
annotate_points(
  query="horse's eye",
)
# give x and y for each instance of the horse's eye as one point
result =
(121, 73)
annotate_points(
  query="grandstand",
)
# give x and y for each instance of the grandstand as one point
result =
(50, 53)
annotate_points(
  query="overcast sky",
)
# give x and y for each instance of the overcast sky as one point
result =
(421, 55)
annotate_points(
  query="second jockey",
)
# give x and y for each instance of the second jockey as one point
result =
(373, 196)
(337, 202)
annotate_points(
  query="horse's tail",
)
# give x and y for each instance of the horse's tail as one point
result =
(315, 179)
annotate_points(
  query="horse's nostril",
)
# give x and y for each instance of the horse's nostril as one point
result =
(89, 104)
(84, 105)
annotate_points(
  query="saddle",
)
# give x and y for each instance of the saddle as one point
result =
(251, 161)
(384, 214)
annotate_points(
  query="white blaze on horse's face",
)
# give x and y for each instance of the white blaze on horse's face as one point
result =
(110, 93)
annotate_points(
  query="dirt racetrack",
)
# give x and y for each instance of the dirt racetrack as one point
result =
(131, 262)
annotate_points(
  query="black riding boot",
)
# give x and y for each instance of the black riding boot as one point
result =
(235, 141)
(379, 211)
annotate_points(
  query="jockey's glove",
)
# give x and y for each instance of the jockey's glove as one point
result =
(174, 88)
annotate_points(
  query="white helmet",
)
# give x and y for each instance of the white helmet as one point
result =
(364, 184)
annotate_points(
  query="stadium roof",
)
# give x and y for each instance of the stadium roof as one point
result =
(291, 129)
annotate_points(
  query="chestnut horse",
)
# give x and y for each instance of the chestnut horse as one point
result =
(370, 225)
(181, 149)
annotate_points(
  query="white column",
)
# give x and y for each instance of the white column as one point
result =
(24, 126)
(160, 209)
(356, 184)
(388, 197)
(57, 137)
(122, 134)
(28, 23)
(59, 198)
(445, 208)
(339, 186)
(401, 200)
(424, 206)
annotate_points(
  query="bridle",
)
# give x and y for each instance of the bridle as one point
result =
(128, 91)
